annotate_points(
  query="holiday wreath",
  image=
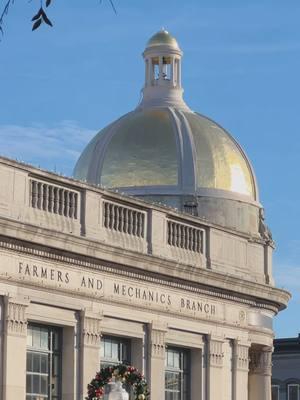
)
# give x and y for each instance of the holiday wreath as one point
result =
(127, 374)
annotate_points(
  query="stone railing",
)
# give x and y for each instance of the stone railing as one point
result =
(53, 199)
(185, 236)
(39, 198)
(123, 219)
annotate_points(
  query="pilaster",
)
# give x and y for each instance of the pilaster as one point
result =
(157, 354)
(90, 339)
(15, 338)
(260, 373)
(240, 370)
(215, 362)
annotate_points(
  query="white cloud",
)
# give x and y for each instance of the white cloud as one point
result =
(54, 147)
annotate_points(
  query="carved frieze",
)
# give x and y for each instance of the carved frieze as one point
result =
(261, 360)
(91, 329)
(43, 253)
(15, 316)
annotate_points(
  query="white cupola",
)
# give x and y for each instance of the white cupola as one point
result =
(162, 72)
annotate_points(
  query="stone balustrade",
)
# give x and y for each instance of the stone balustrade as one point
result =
(49, 201)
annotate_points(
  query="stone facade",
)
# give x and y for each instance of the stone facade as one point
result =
(95, 265)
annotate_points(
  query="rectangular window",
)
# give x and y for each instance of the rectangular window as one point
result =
(177, 374)
(275, 392)
(293, 392)
(43, 370)
(114, 350)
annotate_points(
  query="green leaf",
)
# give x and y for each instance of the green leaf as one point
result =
(36, 24)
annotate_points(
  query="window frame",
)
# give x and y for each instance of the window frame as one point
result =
(288, 390)
(278, 391)
(51, 352)
(184, 371)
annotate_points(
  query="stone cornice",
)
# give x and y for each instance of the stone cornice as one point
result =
(146, 268)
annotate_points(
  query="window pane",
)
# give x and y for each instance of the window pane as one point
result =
(107, 349)
(36, 362)
(115, 350)
(36, 337)
(102, 349)
(44, 363)
(275, 392)
(176, 360)
(170, 358)
(29, 362)
(28, 384)
(56, 340)
(36, 384)
(293, 391)
(29, 337)
(44, 384)
(172, 381)
(44, 339)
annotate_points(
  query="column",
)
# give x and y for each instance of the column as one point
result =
(179, 73)
(160, 69)
(14, 358)
(260, 373)
(172, 71)
(215, 356)
(240, 370)
(90, 339)
(156, 360)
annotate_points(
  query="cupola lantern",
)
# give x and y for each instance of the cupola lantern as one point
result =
(162, 71)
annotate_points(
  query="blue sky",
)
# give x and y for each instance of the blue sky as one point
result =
(59, 86)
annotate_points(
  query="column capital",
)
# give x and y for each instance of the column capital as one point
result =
(241, 355)
(91, 327)
(215, 351)
(157, 336)
(261, 360)
(15, 316)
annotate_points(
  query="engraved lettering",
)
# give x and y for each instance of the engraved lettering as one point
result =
(91, 283)
(59, 278)
(44, 273)
(99, 284)
(206, 308)
(20, 267)
(116, 288)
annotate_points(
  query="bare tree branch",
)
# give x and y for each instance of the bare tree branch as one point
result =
(40, 17)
